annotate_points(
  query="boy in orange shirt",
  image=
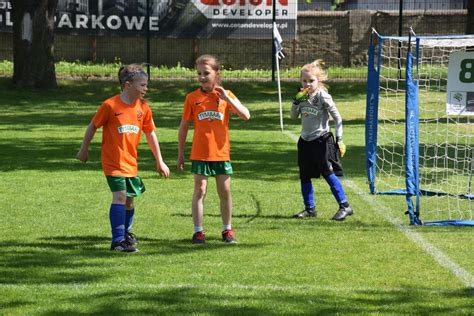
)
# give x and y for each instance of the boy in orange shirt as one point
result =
(209, 109)
(123, 118)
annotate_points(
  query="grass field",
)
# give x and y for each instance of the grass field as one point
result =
(55, 237)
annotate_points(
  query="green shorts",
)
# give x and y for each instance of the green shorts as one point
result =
(134, 186)
(211, 168)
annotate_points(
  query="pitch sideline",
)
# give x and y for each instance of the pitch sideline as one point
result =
(442, 259)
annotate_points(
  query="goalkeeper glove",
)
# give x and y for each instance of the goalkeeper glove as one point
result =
(341, 146)
(301, 96)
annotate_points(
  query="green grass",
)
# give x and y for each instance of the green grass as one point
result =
(55, 231)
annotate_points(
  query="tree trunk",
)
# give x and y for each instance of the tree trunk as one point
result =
(470, 17)
(33, 38)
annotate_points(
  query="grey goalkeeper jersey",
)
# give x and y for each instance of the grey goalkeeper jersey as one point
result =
(315, 114)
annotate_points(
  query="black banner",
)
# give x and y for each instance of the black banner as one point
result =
(169, 18)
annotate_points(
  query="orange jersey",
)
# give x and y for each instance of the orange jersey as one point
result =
(122, 129)
(210, 115)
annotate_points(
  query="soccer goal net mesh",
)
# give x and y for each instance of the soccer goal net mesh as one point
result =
(414, 148)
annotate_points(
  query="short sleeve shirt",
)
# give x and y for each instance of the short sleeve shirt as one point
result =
(210, 116)
(122, 125)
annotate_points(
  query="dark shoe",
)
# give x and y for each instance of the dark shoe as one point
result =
(228, 236)
(131, 238)
(123, 246)
(309, 212)
(199, 237)
(342, 213)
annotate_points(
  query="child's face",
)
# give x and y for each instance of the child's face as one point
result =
(207, 77)
(309, 80)
(138, 87)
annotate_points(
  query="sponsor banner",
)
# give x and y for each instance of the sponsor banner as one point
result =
(170, 18)
(460, 94)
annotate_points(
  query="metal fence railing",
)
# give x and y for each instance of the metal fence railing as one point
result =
(172, 34)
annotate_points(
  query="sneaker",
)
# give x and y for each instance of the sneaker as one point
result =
(123, 246)
(228, 236)
(131, 238)
(342, 213)
(199, 237)
(309, 212)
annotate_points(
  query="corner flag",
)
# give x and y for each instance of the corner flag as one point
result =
(278, 41)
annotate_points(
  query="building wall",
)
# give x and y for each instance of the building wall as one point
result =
(407, 5)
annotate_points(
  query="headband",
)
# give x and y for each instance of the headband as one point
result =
(133, 74)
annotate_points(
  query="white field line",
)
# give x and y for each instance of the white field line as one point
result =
(380, 208)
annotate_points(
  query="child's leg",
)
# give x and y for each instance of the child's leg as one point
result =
(225, 197)
(200, 187)
(338, 192)
(129, 213)
(117, 215)
(336, 189)
(307, 192)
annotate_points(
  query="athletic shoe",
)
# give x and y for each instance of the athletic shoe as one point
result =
(342, 213)
(199, 237)
(131, 238)
(228, 236)
(123, 246)
(309, 212)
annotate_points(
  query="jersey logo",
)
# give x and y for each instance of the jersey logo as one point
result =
(211, 115)
(139, 115)
(128, 129)
(307, 110)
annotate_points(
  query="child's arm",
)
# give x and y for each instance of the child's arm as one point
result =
(295, 111)
(182, 134)
(155, 148)
(240, 109)
(83, 153)
(336, 116)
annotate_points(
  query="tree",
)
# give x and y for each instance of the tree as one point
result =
(470, 17)
(33, 38)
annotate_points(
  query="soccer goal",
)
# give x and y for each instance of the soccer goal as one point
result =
(420, 125)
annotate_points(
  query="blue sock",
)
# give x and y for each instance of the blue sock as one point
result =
(336, 188)
(308, 194)
(117, 222)
(129, 219)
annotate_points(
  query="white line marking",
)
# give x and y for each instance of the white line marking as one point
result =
(380, 208)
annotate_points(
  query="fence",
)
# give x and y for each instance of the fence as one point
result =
(341, 38)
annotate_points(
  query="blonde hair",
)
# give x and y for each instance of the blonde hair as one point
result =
(209, 60)
(130, 72)
(318, 69)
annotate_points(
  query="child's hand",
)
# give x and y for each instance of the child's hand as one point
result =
(82, 155)
(163, 169)
(342, 147)
(222, 93)
(180, 163)
(301, 96)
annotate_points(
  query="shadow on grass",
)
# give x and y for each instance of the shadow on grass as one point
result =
(259, 160)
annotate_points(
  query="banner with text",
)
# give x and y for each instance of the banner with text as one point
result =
(460, 94)
(237, 19)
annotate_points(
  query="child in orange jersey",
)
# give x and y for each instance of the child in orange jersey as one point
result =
(209, 108)
(123, 118)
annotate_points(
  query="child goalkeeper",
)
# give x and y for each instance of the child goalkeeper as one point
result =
(316, 148)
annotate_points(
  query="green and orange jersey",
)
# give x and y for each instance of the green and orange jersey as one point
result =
(210, 116)
(122, 126)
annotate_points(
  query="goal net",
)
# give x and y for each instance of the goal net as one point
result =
(420, 127)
